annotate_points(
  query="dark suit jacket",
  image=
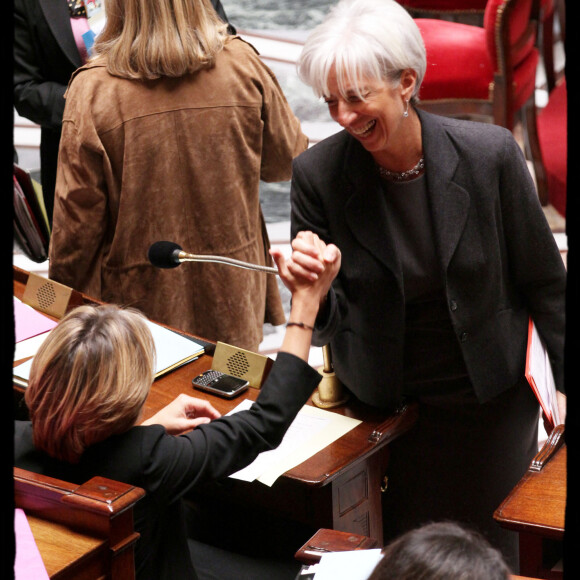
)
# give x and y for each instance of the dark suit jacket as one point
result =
(45, 56)
(497, 256)
(168, 467)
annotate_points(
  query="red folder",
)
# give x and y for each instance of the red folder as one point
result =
(539, 375)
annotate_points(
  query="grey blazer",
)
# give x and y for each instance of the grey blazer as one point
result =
(497, 255)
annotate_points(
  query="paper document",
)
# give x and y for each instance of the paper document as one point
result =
(353, 565)
(28, 564)
(312, 430)
(29, 322)
(172, 349)
(539, 375)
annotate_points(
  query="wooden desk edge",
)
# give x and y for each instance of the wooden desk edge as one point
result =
(103, 497)
(394, 426)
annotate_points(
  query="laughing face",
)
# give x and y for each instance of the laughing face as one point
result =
(371, 111)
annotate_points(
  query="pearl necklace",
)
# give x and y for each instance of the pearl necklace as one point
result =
(404, 175)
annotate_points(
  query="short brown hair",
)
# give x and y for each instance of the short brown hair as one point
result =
(89, 379)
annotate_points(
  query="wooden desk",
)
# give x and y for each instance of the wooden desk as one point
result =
(338, 488)
(536, 509)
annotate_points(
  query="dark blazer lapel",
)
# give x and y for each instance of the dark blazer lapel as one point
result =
(449, 200)
(58, 18)
(365, 209)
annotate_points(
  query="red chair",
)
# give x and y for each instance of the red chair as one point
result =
(472, 11)
(487, 73)
(466, 11)
(550, 12)
(553, 135)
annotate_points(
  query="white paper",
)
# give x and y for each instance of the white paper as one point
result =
(29, 347)
(22, 371)
(171, 348)
(352, 565)
(312, 430)
(540, 371)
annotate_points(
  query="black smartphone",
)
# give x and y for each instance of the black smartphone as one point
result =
(220, 384)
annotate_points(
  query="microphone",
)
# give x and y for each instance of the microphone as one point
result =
(170, 255)
(164, 254)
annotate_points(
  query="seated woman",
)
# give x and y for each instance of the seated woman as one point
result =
(89, 382)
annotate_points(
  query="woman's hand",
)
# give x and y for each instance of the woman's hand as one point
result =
(312, 266)
(183, 414)
(308, 274)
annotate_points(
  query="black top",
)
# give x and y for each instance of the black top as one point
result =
(433, 363)
(168, 467)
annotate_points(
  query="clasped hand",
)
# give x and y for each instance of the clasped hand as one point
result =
(312, 266)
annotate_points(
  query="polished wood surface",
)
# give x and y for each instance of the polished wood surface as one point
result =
(82, 531)
(325, 540)
(67, 553)
(538, 502)
(536, 509)
(339, 487)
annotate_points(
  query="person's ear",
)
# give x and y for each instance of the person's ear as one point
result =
(407, 83)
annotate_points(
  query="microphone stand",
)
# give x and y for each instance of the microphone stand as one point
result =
(185, 257)
(330, 392)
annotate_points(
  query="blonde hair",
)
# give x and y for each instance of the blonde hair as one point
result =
(375, 39)
(148, 39)
(89, 379)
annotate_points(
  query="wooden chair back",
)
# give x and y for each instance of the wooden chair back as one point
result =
(82, 531)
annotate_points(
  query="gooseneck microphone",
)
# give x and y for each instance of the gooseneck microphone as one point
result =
(170, 255)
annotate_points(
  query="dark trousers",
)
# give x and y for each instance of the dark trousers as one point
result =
(459, 463)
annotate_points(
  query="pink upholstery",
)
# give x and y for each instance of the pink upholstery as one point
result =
(552, 133)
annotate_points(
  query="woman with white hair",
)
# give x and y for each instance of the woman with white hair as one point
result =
(446, 254)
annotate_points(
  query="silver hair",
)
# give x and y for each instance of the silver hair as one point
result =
(375, 39)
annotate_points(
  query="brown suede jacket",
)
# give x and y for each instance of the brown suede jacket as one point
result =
(179, 160)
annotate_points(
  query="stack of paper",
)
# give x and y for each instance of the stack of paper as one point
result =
(32, 328)
(312, 430)
(353, 565)
(172, 349)
(28, 564)
(540, 377)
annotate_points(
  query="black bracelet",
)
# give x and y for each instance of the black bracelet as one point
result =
(300, 324)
